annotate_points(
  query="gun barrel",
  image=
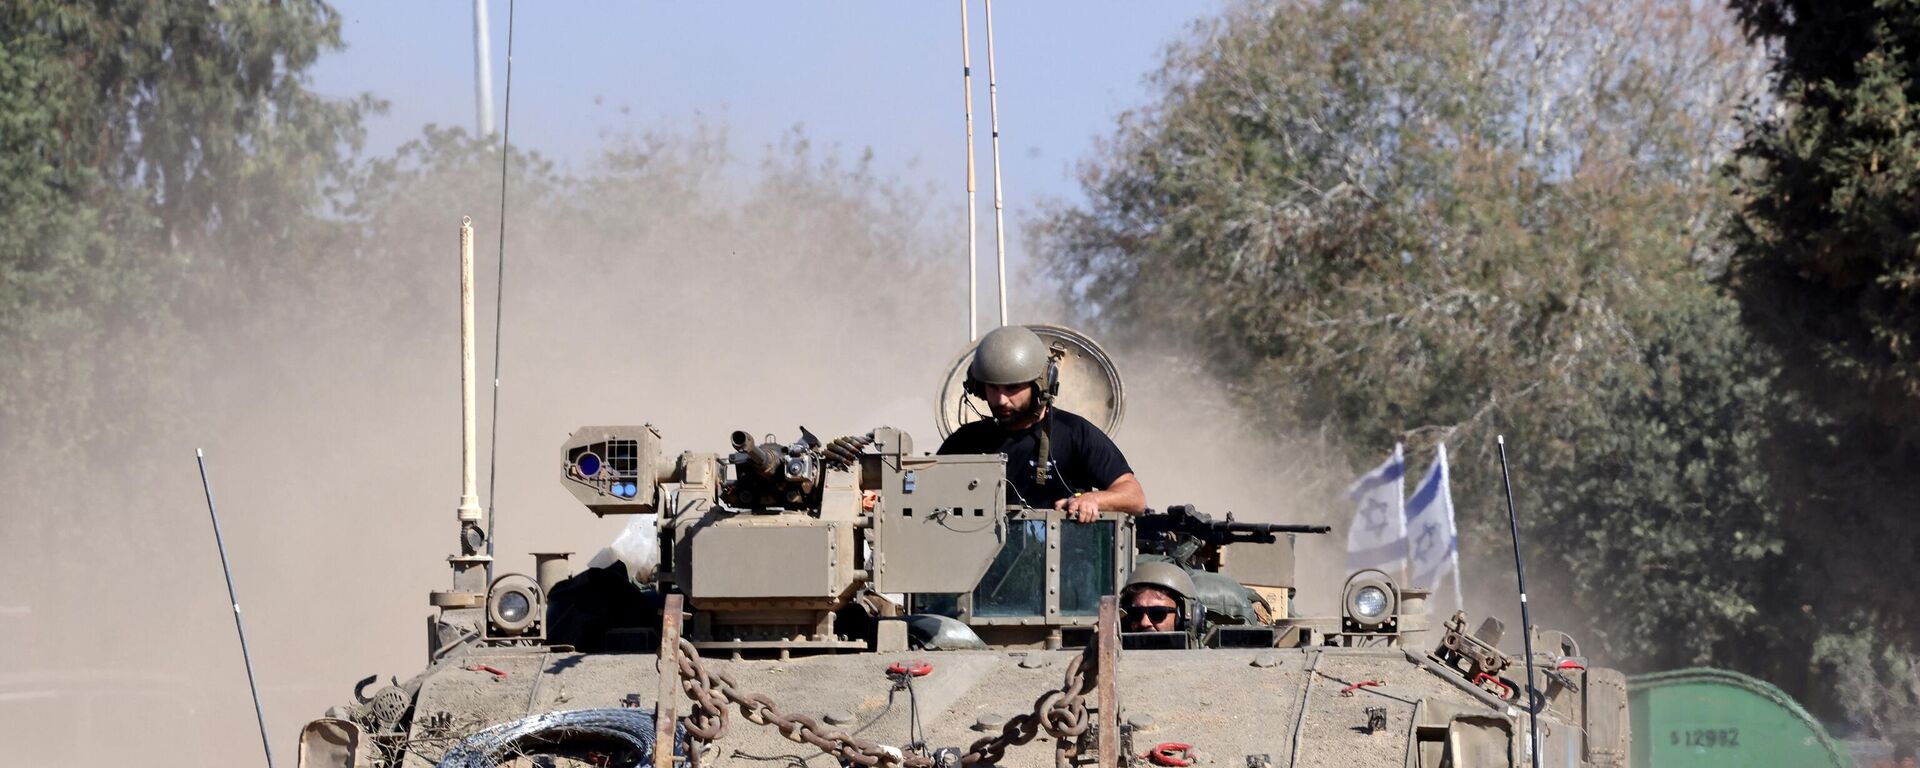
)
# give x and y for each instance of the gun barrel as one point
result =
(1277, 528)
(1183, 518)
(1162, 523)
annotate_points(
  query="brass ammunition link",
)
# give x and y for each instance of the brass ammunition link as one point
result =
(1062, 712)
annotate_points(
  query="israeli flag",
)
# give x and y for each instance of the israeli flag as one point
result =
(1433, 543)
(1378, 536)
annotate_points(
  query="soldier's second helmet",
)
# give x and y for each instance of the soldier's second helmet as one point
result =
(1165, 576)
(1009, 354)
(1175, 581)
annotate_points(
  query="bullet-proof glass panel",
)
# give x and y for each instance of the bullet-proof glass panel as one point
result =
(940, 604)
(1086, 567)
(1016, 583)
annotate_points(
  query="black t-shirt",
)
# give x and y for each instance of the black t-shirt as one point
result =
(1084, 458)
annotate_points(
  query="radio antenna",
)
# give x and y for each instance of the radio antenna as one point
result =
(999, 219)
(973, 231)
(1526, 624)
(482, 70)
(259, 715)
(499, 301)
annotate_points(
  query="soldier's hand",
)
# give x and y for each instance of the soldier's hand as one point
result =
(1081, 506)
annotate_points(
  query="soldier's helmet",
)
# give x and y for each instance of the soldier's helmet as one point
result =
(1168, 578)
(1009, 355)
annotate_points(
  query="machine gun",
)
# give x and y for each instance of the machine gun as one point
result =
(1194, 539)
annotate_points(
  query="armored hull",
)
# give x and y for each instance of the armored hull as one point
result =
(1275, 707)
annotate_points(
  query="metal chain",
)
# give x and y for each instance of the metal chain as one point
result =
(1061, 712)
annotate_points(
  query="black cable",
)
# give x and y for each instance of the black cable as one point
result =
(1047, 459)
(793, 760)
(1018, 495)
(916, 737)
(883, 712)
(943, 517)
(499, 294)
(968, 402)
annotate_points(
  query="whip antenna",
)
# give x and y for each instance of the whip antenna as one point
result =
(259, 715)
(499, 293)
(1526, 625)
(482, 70)
(999, 222)
(973, 231)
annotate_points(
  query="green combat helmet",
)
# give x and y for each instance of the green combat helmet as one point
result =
(1075, 374)
(1015, 355)
(1175, 581)
(1011, 355)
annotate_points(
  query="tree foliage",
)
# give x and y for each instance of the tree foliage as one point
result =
(1826, 266)
(1828, 238)
(1437, 221)
(148, 146)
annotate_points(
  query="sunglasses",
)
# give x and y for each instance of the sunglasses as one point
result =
(1152, 613)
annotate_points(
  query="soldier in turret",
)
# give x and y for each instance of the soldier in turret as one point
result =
(1055, 458)
(1158, 597)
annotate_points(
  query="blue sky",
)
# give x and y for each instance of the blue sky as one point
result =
(867, 74)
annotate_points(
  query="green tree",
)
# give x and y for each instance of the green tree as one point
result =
(1826, 256)
(163, 166)
(1438, 221)
(1827, 243)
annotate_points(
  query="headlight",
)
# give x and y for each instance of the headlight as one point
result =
(514, 606)
(588, 464)
(1371, 601)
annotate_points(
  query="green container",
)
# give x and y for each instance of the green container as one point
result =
(1695, 718)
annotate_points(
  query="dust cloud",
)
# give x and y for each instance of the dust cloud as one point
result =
(1191, 444)
(683, 291)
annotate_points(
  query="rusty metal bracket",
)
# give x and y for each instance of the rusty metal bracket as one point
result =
(1107, 635)
(665, 709)
(1376, 719)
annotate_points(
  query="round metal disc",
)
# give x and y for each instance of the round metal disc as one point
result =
(388, 706)
(475, 539)
(1089, 383)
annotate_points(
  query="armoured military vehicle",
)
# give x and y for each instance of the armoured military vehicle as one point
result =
(863, 602)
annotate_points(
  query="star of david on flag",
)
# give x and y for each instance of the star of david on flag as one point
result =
(1435, 545)
(1378, 536)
